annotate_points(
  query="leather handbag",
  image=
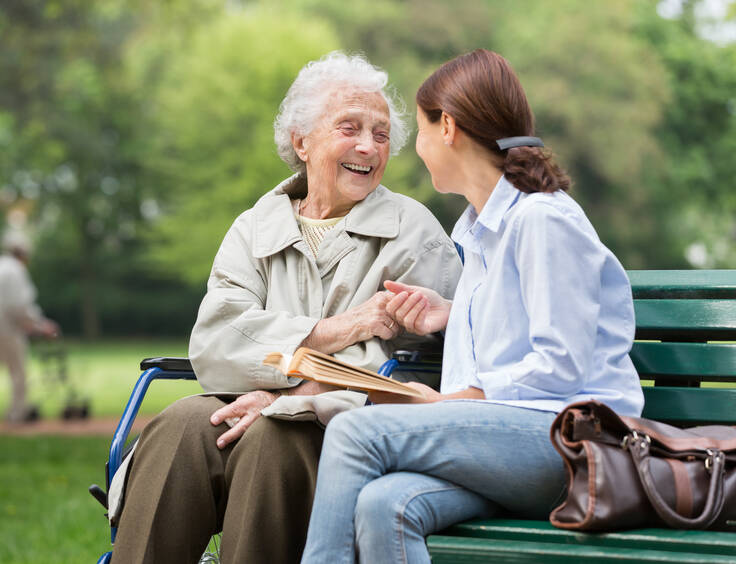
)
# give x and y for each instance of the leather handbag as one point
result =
(630, 472)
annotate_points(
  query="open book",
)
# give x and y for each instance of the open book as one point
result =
(326, 369)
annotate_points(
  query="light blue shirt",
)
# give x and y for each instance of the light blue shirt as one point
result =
(543, 314)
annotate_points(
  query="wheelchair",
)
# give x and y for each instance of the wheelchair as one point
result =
(171, 368)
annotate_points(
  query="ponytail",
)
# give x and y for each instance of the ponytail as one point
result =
(532, 169)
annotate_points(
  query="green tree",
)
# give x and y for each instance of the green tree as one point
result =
(210, 148)
(599, 93)
(69, 129)
(697, 136)
(68, 120)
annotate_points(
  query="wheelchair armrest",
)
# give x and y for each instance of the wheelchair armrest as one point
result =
(170, 364)
(424, 356)
(412, 361)
(159, 368)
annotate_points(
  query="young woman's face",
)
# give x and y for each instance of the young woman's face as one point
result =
(431, 149)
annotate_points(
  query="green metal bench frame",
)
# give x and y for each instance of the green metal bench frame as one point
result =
(684, 322)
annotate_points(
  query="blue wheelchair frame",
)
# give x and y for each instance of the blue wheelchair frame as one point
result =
(163, 368)
(153, 369)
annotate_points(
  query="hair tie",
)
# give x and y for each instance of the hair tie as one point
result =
(510, 142)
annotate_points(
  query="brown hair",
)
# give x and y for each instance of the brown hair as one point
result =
(484, 96)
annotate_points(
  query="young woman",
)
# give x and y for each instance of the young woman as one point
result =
(542, 317)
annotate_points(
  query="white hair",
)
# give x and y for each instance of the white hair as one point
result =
(307, 97)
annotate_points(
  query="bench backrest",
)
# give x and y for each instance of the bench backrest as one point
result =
(685, 349)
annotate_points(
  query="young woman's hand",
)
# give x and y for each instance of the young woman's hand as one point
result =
(420, 310)
(430, 395)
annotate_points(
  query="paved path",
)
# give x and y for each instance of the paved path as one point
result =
(104, 426)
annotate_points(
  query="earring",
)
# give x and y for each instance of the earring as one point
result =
(448, 143)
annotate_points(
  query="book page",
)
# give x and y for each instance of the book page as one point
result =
(321, 368)
(326, 369)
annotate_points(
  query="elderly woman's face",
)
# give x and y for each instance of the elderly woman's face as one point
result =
(347, 151)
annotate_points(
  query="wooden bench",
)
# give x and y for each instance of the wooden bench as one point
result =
(684, 320)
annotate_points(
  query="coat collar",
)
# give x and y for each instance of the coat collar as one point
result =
(275, 227)
(501, 200)
(503, 197)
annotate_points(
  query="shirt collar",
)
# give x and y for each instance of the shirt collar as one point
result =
(503, 197)
(275, 228)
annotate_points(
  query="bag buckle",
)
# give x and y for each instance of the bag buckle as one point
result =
(714, 455)
(633, 437)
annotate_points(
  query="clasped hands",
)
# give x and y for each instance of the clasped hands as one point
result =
(418, 310)
(421, 311)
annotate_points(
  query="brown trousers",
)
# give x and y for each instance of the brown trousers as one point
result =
(182, 489)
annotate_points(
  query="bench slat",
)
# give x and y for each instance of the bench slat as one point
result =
(690, 405)
(711, 542)
(704, 361)
(683, 283)
(686, 320)
(462, 550)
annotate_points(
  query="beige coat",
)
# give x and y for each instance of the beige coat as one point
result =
(266, 291)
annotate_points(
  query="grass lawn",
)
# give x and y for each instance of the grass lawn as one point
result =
(46, 513)
(104, 372)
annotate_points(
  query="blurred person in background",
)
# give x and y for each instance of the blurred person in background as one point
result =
(304, 267)
(20, 317)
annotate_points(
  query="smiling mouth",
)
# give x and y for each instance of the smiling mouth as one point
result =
(356, 168)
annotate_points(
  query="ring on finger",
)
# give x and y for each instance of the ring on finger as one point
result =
(390, 325)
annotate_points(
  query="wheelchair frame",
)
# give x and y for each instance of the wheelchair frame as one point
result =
(176, 368)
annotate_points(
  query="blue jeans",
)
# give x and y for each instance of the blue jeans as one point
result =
(391, 474)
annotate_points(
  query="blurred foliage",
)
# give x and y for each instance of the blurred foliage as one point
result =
(73, 117)
(133, 133)
(210, 136)
(698, 136)
(598, 96)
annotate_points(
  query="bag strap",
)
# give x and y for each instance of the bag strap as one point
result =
(638, 447)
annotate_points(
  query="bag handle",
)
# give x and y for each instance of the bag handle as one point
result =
(638, 447)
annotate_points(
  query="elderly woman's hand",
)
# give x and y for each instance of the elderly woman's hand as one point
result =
(363, 322)
(370, 319)
(420, 310)
(243, 412)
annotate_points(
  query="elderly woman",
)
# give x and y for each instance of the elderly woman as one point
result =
(304, 267)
